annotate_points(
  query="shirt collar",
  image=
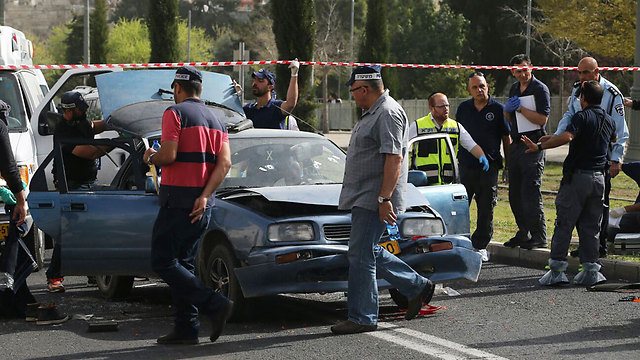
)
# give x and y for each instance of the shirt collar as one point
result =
(377, 104)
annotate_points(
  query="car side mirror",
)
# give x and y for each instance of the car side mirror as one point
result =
(417, 178)
(47, 123)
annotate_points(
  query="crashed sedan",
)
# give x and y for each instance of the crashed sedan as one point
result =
(275, 227)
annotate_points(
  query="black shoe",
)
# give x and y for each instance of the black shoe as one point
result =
(533, 244)
(575, 253)
(31, 312)
(92, 281)
(48, 315)
(219, 320)
(174, 339)
(513, 242)
(349, 327)
(415, 304)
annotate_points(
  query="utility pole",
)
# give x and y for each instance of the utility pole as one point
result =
(87, 58)
(189, 39)
(528, 49)
(633, 149)
(2, 13)
(351, 58)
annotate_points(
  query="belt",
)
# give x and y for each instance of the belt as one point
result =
(588, 172)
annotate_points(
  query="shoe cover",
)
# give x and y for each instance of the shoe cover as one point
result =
(590, 275)
(556, 275)
(6, 281)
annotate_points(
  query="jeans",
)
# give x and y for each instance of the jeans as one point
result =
(366, 258)
(483, 186)
(174, 246)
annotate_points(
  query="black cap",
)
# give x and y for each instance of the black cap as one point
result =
(265, 74)
(187, 73)
(72, 100)
(369, 72)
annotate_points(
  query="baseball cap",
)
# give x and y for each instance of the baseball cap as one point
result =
(4, 109)
(72, 100)
(369, 72)
(187, 73)
(265, 74)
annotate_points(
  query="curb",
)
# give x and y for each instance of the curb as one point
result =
(613, 270)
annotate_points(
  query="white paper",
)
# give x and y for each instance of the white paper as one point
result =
(524, 125)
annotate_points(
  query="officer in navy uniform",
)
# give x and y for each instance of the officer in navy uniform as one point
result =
(483, 118)
(613, 105)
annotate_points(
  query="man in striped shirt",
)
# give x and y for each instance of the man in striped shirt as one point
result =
(195, 158)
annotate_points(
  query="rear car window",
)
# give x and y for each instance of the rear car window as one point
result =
(10, 93)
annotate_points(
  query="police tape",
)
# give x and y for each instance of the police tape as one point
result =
(318, 63)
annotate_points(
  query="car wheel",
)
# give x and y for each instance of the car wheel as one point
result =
(36, 244)
(114, 287)
(399, 299)
(222, 278)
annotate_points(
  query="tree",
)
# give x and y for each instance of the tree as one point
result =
(163, 30)
(375, 40)
(73, 42)
(294, 30)
(99, 32)
(128, 42)
(201, 43)
(131, 9)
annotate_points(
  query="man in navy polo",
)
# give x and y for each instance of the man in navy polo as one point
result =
(483, 118)
(267, 112)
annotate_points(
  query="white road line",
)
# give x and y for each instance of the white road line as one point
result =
(425, 349)
(433, 340)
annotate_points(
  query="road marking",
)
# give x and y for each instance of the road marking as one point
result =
(430, 340)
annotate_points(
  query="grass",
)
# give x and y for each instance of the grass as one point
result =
(623, 192)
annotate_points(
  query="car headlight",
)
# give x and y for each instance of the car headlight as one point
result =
(422, 227)
(298, 231)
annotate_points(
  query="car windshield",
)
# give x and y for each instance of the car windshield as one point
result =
(260, 162)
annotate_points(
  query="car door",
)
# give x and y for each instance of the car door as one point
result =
(450, 200)
(103, 228)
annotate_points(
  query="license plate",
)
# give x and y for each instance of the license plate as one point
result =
(4, 231)
(391, 246)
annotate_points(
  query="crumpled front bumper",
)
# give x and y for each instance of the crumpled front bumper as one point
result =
(324, 268)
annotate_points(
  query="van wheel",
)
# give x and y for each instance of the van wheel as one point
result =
(114, 287)
(398, 298)
(35, 241)
(221, 277)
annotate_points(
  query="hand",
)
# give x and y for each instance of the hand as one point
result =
(484, 162)
(532, 147)
(512, 104)
(505, 175)
(615, 168)
(198, 209)
(385, 212)
(145, 157)
(617, 212)
(294, 66)
(627, 102)
(237, 87)
(20, 212)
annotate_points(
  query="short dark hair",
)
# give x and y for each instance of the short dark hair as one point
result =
(519, 59)
(191, 87)
(592, 92)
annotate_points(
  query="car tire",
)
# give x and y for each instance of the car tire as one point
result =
(35, 241)
(399, 299)
(221, 277)
(114, 287)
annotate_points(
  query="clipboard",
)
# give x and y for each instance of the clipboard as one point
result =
(524, 125)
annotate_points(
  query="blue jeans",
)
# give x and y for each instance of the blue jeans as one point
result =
(174, 246)
(366, 258)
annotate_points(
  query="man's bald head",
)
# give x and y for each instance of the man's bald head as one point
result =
(588, 69)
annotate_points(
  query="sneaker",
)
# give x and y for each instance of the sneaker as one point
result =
(513, 242)
(349, 327)
(6, 281)
(48, 315)
(55, 285)
(31, 313)
(484, 253)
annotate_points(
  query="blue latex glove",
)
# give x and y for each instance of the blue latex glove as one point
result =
(512, 104)
(484, 162)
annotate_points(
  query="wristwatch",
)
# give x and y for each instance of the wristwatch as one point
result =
(383, 199)
(539, 146)
(149, 159)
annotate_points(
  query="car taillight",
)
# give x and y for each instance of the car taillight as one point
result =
(440, 246)
(24, 173)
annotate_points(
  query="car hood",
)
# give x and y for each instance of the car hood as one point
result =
(327, 195)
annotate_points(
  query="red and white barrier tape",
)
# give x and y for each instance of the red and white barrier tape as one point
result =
(285, 62)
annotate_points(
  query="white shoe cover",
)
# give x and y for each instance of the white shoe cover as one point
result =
(556, 275)
(590, 275)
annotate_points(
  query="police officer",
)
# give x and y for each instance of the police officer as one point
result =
(432, 157)
(613, 104)
(580, 197)
(525, 169)
(483, 117)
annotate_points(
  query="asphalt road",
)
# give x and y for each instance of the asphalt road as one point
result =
(505, 315)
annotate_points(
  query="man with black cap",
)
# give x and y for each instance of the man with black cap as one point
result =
(80, 165)
(373, 190)
(186, 197)
(267, 112)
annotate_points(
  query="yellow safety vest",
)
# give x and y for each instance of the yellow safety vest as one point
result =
(433, 156)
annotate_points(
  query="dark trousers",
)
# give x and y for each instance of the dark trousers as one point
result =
(483, 186)
(174, 246)
(604, 225)
(525, 198)
(54, 270)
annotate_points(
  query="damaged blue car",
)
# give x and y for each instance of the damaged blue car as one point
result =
(275, 226)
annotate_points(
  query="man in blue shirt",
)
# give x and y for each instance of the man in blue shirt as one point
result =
(581, 193)
(267, 112)
(525, 169)
(483, 118)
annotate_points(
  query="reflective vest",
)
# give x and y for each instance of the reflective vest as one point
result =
(432, 156)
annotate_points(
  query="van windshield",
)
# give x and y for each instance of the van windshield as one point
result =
(10, 93)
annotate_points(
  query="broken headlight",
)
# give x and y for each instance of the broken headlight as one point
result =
(422, 227)
(298, 231)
